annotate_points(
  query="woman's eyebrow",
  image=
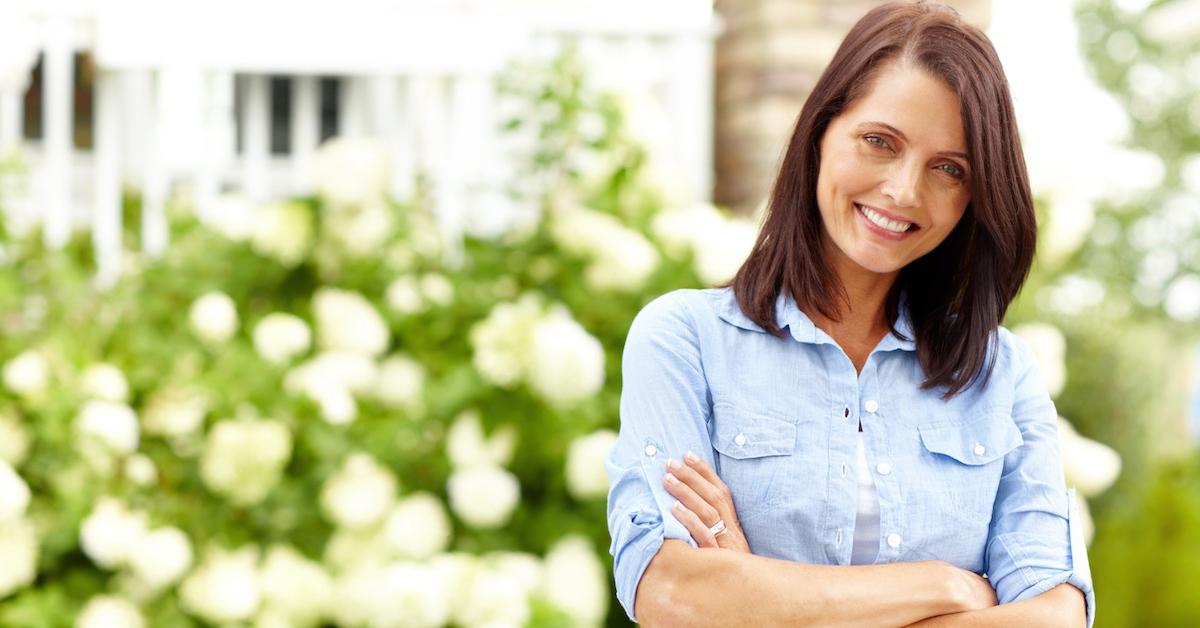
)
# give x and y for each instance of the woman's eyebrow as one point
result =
(900, 134)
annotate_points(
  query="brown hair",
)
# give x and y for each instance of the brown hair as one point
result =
(956, 294)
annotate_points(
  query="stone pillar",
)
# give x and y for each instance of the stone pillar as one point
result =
(768, 57)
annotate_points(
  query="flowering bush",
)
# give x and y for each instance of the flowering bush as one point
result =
(320, 412)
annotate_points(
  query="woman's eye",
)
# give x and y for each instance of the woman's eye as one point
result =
(953, 170)
(876, 141)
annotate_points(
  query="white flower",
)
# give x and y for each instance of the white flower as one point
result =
(403, 295)
(467, 446)
(279, 337)
(418, 527)
(720, 253)
(110, 533)
(520, 567)
(586, 475)
(352, 549)
(107, 611)
(224, 588)
(283, 232)
(401, 382)
(105, 382)
(576, 581)
(398, 594)
(161, 557)
(363, 232)
(482, 496)
(1182, 298)
(567, 363)
(494, 599)
(244, 458)
(351, 172)
(360, 493)
(1088, 465)
(14, 494)
(140, 470)
(621, 258)
(719, 244)
(296, 588)
(18, 556)
(230, 215)
(501, 342)
(113, 425)
(175, 412)
(1049, 350)
(346, 321)
(27, 374)
(437, 289)
(624, 261)
(214, 318)
(14, 440)
(456, 571)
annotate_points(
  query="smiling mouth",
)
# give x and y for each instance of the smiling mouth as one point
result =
(885, 223)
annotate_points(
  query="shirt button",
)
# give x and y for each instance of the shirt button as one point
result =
(843, 469)
(871, 406)
(740, 439)
(883, 468)
(979, 449)
(893, 540)
(651, 450)
(838, 537)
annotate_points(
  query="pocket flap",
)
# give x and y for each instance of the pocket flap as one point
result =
(974, 442)
(742, 433)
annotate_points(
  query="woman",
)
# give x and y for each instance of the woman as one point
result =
(845, 435)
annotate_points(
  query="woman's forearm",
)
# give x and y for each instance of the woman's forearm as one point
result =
(685, 586)
(1062, 606)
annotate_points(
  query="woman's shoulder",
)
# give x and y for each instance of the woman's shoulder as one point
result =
(691, 308)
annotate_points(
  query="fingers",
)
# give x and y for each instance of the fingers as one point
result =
(705, 471)
(713, 493)
(692, 500)
(694, 525)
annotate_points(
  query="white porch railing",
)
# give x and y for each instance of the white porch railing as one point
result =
(420, 76)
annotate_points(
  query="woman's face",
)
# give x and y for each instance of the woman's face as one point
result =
(893, 179)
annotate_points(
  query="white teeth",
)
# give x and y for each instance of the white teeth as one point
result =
(890, 225)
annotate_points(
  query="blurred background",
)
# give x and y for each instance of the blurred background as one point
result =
(312, 313)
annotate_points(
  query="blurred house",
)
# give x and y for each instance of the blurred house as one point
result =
(235, 96)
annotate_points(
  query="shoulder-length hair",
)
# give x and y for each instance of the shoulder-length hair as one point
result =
(958, 293)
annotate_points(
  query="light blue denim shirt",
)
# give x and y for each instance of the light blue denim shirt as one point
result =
(976, 480)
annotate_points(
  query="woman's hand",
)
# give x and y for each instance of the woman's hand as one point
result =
(702, 500)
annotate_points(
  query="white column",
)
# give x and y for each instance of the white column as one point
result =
(106, 209)
(10, 118)
(256, 137)
(305, 131)
(57, 117)
(351, 107)
(690, 100)
(382, 98)
(156, 181)
(217, 151)
(403, 145)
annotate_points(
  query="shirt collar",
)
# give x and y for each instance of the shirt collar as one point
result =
(801, 327)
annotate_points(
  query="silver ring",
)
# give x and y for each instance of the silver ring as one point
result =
(717, 528)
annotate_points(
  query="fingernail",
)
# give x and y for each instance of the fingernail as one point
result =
(672, 464)
(691, 457)
(671, 479)
(677, 505)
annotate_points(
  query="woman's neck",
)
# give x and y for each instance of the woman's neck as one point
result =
(861, 320)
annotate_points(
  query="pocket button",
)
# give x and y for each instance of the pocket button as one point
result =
(740, 439)
(979, 449)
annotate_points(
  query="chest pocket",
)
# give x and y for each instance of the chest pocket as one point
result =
(965, 460)
(754, 449)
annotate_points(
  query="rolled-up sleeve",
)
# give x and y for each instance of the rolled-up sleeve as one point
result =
(664, 412)
(1036, 542)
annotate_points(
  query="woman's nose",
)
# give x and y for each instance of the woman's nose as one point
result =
(902, 185)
